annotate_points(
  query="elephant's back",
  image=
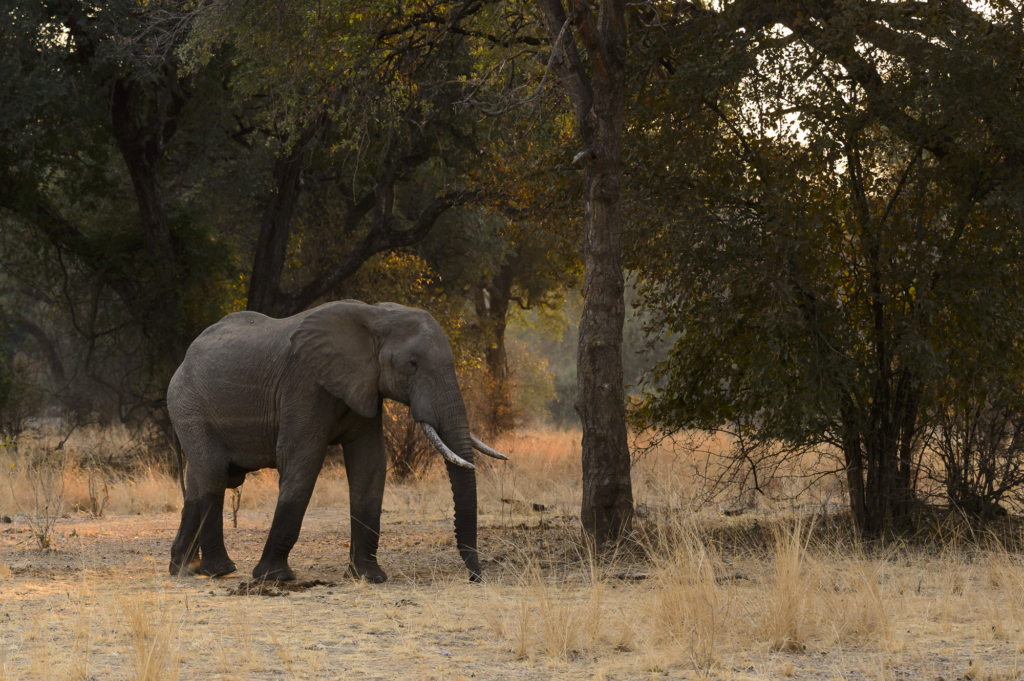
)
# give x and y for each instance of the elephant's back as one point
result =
(241, 360)
(241, 334)
(237, 325)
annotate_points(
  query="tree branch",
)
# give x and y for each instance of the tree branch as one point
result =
(381, 238)
(543, 80)
(569, 66)
(45, 343)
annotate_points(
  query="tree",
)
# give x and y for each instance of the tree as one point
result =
(845, 244)
(19, 397)
(528, 278)
(91, 106)
(370, 143)
(597, 96)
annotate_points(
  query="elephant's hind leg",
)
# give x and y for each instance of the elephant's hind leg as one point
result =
(185, 549)
(214, 560)
(199, 545)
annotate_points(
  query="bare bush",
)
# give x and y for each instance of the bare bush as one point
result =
(978, 448)
(99, 492)
(407, 448)
(37, 490)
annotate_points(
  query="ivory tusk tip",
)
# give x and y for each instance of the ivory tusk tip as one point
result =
(481, 447)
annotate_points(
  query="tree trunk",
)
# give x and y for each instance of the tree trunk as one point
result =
(607, 507)
(878, 450)
(144, 118)
(275, 231)
(855, 481)
(598, 98)
(909, 397)
(491, 300)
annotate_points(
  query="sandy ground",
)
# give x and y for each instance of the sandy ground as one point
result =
(103, 606)
(426, 622)
(713, 597)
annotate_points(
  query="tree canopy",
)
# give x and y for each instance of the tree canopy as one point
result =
(820, 206)
(842, 260)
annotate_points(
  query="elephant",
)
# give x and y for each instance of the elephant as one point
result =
(256, 392)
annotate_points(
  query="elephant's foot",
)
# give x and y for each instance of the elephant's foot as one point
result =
(187, 569)
(217, 567)
(472, 562)
(271, 571)
(370, 572)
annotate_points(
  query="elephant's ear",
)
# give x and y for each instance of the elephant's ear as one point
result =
(335, 345)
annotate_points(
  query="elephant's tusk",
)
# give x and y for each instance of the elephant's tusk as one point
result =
(480, 446)
(440, 446)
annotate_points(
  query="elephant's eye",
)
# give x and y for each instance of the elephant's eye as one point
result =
(413, 364)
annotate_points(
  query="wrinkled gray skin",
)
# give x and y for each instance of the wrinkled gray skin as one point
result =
(256, 392)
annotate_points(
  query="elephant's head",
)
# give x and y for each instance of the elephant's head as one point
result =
(360, 352)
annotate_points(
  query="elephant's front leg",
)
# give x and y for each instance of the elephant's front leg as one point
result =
(298, 478)
(366, 466)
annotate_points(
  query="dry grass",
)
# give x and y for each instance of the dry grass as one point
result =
(768, 594)
(119, 476)
(832, 598)
(151, 622)
(690, 609)
(787, 614)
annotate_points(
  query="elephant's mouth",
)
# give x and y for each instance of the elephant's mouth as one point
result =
(449, 455)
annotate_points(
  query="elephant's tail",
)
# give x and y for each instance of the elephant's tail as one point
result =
(176, 445)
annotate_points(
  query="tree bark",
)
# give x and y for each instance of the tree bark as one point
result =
(144, 118)
(854, 476)
(598, 99)
(607, 486)
(276, 229)
(878, 448)
(491, 300)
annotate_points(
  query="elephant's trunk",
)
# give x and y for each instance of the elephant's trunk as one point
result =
(454, 431)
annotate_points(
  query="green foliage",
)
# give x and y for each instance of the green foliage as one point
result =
(386, 86)
(532, 388)
(844, 241)
(209, 273)
(104, 155)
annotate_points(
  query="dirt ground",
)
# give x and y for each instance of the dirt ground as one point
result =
(103, 606)
(701, 594)
(405, 628)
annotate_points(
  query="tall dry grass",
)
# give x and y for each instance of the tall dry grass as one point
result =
(108, 471)
(682, 612)
(693, 592)
(112, 471)
(786, 618)
(690, 607)
(829, 596)
(94, 470)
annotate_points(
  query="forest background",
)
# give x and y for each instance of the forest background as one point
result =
(819, 206)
